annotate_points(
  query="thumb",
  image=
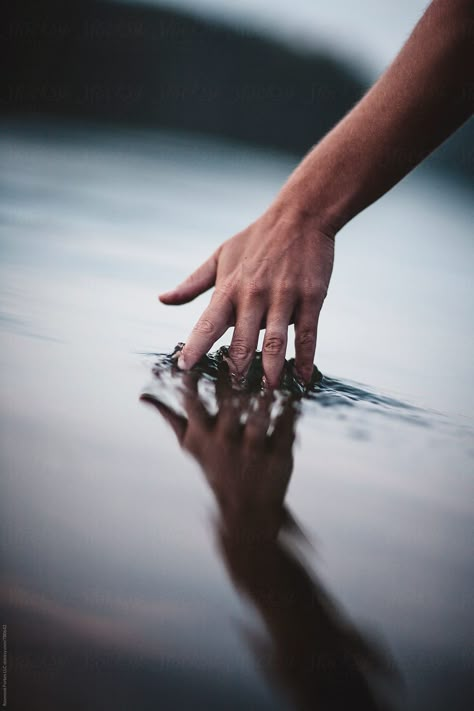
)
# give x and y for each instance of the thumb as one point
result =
(199, 281)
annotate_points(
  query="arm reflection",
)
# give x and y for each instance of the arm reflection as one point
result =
(314, 653)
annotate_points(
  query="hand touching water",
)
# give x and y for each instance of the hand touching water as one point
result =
(274, 273)
(277, 270)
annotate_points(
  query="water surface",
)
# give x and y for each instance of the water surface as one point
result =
(152, 559)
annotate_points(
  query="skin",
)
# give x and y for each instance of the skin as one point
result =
(277, 270)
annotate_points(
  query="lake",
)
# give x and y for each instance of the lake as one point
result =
(157, 556)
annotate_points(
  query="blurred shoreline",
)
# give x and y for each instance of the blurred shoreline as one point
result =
(148, 66)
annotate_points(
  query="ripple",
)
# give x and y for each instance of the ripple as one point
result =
(215, 370)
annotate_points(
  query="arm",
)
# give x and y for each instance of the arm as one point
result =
(277, 270)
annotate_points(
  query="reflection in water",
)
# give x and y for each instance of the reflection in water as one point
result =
(244, 447)
(109, 582)
(322, 390)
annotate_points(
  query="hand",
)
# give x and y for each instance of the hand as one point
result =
(278, 269)
(274, 273)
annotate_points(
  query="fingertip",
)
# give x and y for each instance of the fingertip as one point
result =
(182, 365)
(304, 373)
(187, 360)
(271, 380)
(170, 298)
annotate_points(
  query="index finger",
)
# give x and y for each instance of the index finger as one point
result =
(213, 323)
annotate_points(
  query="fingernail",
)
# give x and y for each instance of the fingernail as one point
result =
(181, 362)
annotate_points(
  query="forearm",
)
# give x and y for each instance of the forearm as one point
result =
(423, 97)
(277, 270)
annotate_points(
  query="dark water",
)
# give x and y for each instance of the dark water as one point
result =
(182, 541)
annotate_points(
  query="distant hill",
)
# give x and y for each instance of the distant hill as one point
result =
(145, 65)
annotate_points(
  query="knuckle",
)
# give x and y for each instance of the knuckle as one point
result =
(239, 349)
(204, 325)
(255, 289)
(225, 289)
(314, 291)
(274, 344)
(285, 288)
(305, 337)
(310, 293)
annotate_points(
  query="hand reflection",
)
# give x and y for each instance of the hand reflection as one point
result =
(247, 467)
(245, 451)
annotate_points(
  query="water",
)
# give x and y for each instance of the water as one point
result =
(152, 559)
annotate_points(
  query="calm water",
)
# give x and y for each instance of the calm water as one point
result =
(168, 543)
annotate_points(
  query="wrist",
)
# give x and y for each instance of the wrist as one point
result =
(290, 206)
(320, 191)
